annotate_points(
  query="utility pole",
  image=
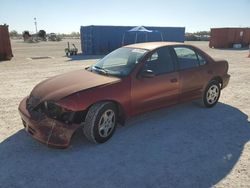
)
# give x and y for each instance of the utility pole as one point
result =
(35, 24)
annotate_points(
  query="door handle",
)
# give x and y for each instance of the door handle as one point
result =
(173, 80)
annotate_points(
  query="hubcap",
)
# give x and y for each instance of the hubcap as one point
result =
(212, 94)
(106, 123)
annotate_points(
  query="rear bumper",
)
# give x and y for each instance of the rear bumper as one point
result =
(225, 80)
(47, 131)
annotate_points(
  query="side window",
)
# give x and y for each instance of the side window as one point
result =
(160, 62)
(186, 58)
(201, 59)
(153, 57)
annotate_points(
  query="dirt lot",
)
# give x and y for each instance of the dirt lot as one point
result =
(182, 146)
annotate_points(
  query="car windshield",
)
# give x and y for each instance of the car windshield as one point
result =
(119, 62)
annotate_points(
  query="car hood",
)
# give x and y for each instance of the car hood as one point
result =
(58, 87)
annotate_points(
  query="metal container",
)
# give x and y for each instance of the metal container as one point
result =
(97, 40)
(246, 37)
(227, 37)
(5, 46)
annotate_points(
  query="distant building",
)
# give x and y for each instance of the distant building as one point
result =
(228, 37)
(97, 40)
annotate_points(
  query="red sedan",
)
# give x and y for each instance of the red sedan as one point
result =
(130, 80)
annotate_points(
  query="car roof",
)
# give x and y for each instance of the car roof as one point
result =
(153, 45)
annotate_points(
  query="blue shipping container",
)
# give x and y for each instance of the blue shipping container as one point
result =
(98, 40)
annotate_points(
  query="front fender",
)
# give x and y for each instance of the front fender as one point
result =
(118, 92)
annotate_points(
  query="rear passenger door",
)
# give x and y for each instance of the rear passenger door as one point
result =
(190, 72)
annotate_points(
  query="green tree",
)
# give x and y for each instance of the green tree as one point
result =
(75, 34)
(14, 33)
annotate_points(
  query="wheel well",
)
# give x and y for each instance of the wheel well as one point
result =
(121, 112)
(219, 79)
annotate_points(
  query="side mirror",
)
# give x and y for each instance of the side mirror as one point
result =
(147, 74)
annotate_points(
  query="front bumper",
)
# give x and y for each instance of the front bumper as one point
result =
(225, 80)
(48, 131)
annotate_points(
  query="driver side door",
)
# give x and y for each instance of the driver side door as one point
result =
(160, 90)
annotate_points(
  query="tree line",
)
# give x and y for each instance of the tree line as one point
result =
(15, 34)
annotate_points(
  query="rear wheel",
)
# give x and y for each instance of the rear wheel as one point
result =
(100, 122)
(211, 94)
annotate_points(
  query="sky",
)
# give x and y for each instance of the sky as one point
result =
(61, 16)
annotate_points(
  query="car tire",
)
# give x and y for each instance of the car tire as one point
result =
(211, 94)
(100, 122)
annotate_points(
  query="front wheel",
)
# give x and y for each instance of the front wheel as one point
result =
(100, 122)
(211, 94)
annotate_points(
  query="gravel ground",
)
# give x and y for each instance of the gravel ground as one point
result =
(181, 146)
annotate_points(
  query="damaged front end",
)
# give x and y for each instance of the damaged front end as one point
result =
(48, 122)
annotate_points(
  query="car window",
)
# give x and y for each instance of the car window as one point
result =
(116, 62)
(186, 58)
(119, 62)
(160, 62)
(153, 57)
(201, 59)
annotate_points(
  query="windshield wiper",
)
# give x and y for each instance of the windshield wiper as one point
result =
(100, 69)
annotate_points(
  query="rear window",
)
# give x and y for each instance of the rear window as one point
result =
(187, 58)
(201, 59)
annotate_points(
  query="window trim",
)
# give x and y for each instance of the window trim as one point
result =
(197, 53)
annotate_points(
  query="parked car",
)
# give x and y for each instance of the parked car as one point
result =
(54, 37)
(129, 81)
